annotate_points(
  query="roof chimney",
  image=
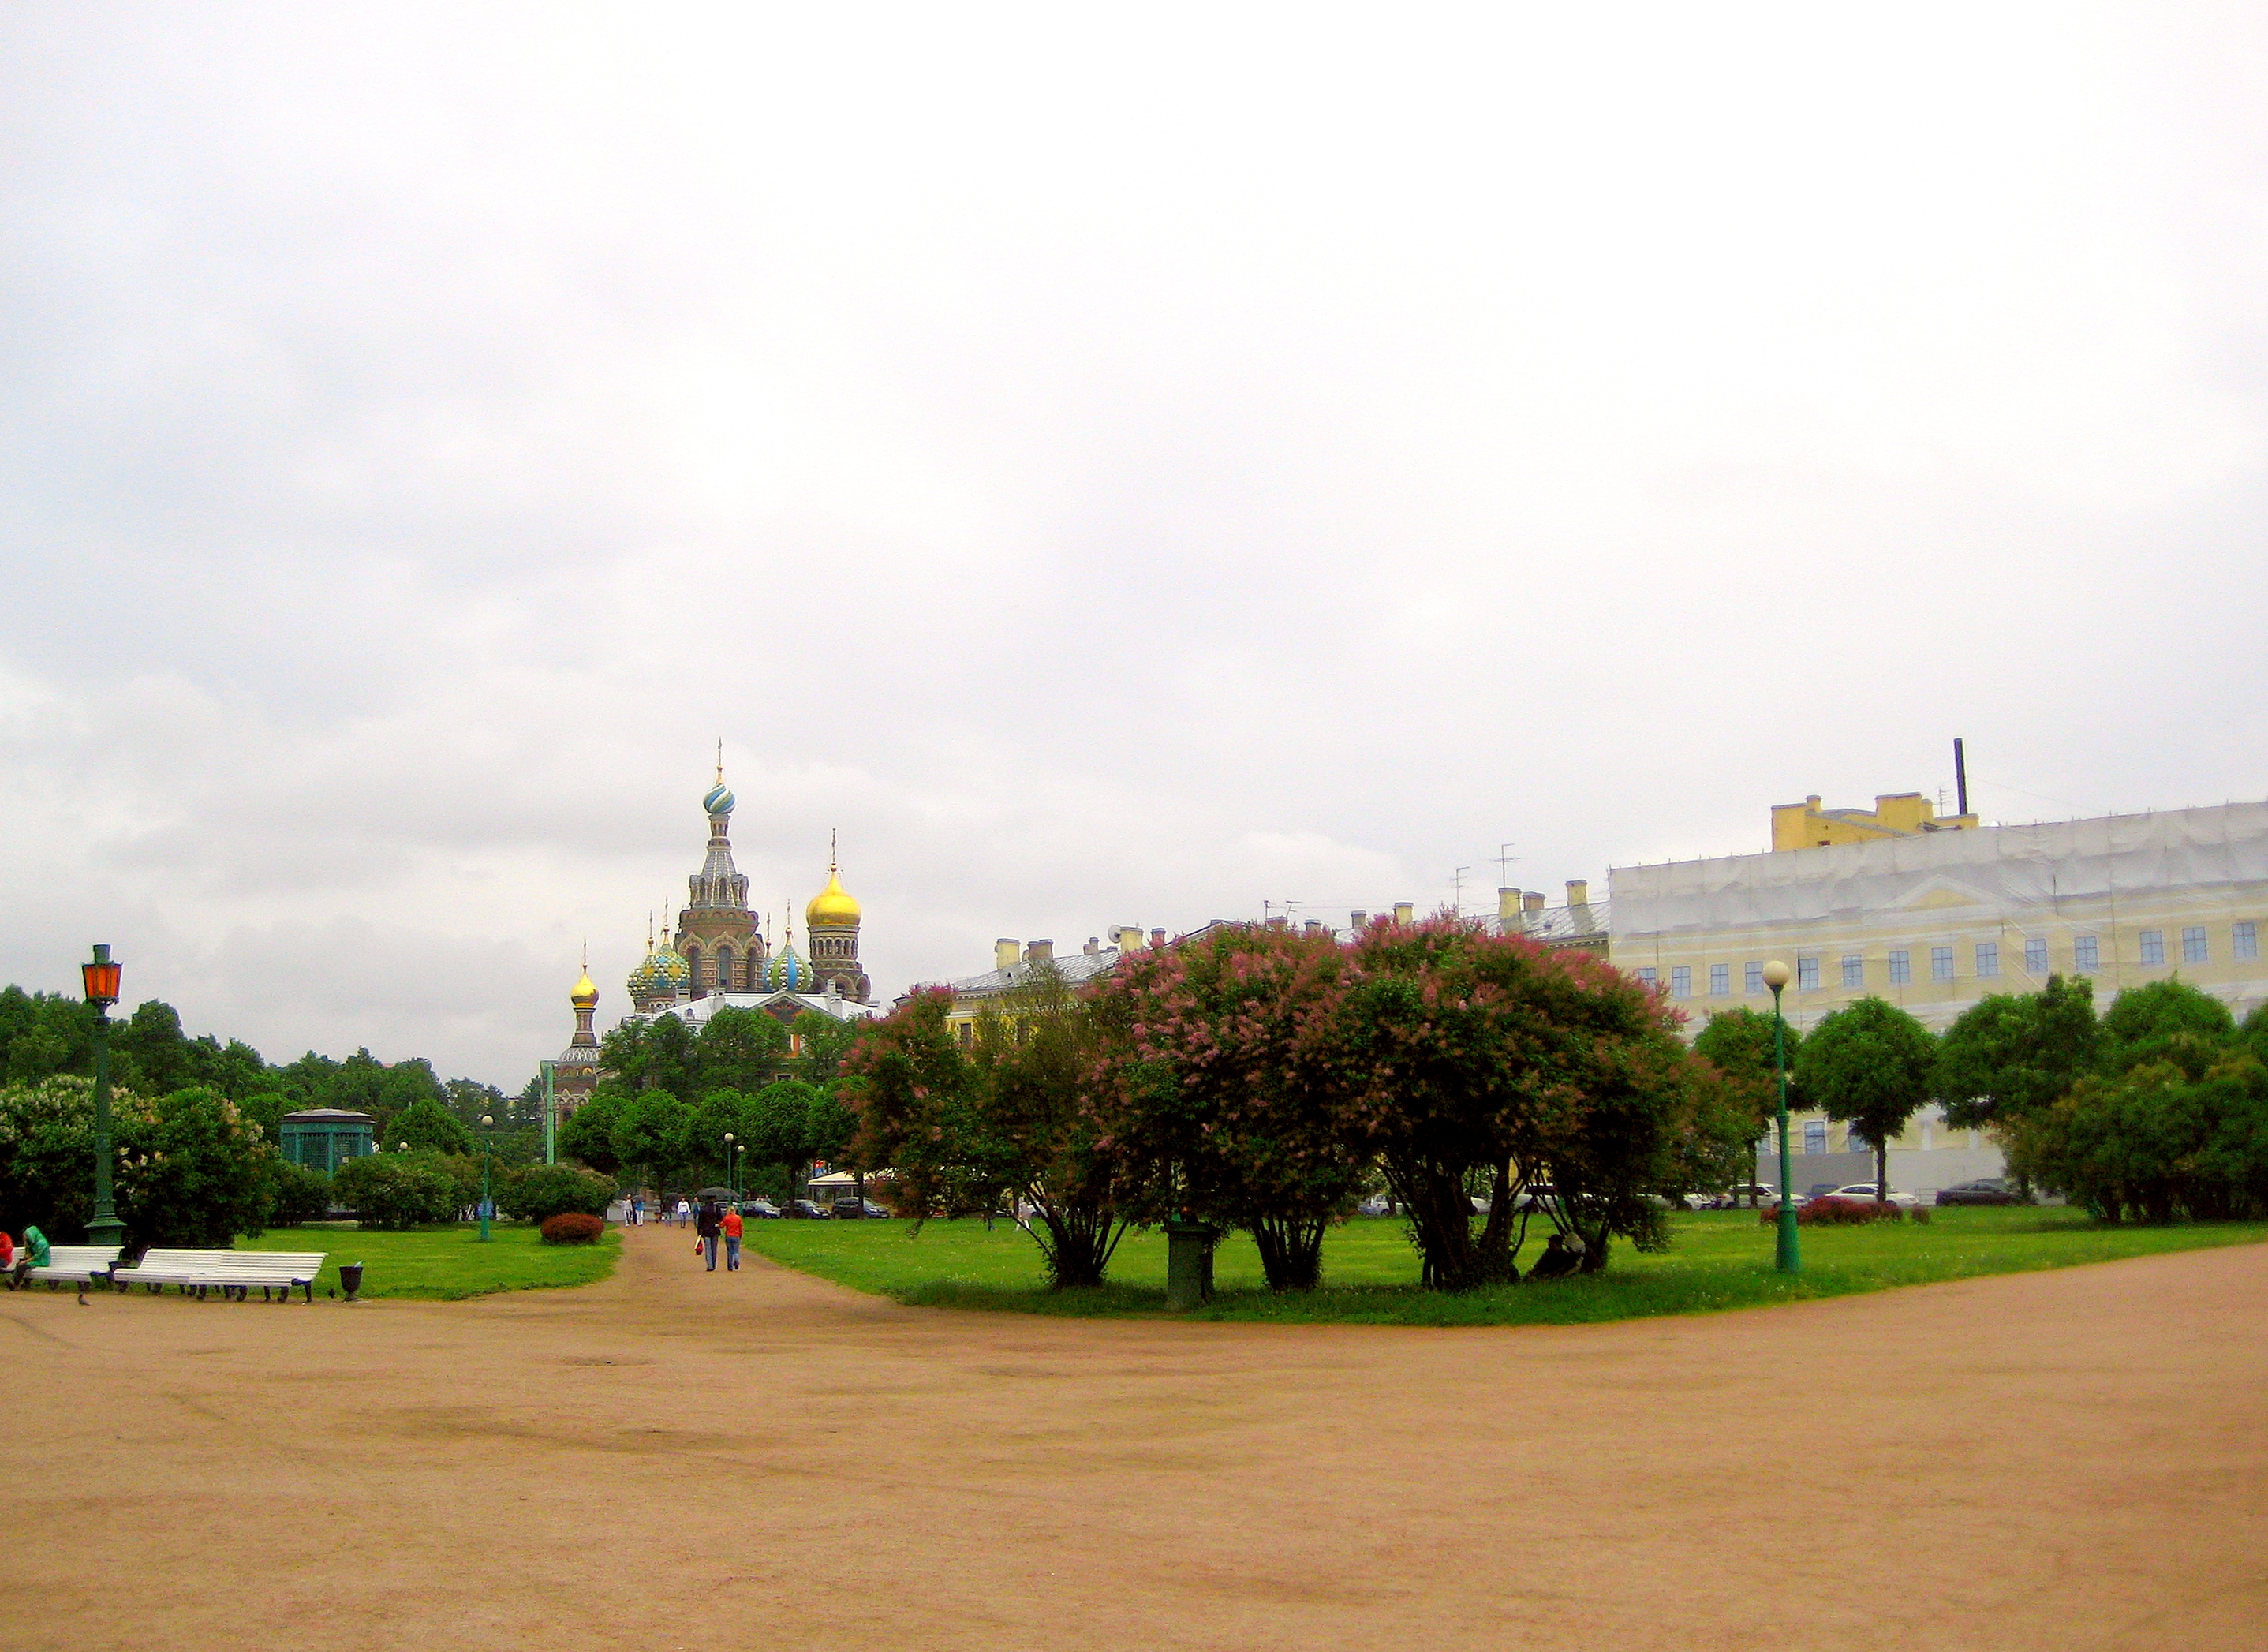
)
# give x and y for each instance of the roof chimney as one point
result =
(1039, 952)
(1360, 919)
(1278, 923)
(1157, 937)
(1004, 950)
(1531, 902)
(1507, 904)
(1404, 912)
(1579, 891)
(1094, 945)
(1313, 926)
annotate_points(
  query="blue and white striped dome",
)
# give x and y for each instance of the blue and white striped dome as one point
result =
(789, 972)
(719, 801)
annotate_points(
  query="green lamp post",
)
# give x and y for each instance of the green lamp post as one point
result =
(1790, 1254)
(550, 1139)
(486, 1137)
(99, 979)
(732, 1156)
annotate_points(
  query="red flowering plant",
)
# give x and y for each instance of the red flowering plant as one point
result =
(1461, 1058)
(1217, 1097)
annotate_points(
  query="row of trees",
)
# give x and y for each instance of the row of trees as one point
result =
(2157, 1108)
(1260, 1078)
(672, 1095)
(43, 1035)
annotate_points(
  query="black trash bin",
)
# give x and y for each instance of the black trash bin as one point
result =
(351, 1279)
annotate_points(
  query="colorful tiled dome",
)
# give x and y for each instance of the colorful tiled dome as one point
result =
(719, 800)
(789, 972)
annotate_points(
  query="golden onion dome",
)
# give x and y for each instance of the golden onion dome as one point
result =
(585, 995)
(831, 906)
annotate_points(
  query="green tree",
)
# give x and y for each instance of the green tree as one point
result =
(739, 1050)
(1869, 1065)
(652, 1132)
(1017, 1119)
(148, 1052)
(1738, 1042)
(779, 1132)
(398, 1192)
(427, 1124)
(2011, 1053)
(2154, 1144)
(537, 1193)
(2166, 1021)
(189, 1169)
(821, 1041)
(587, 1133)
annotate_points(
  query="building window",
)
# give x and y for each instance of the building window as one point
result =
(1806, 975)
(1988, 959)
(1940, 963)
(2153, 947)
(1854, 971)
(1720, 980)
(1853, 1142)
(1646, 974)
(1752, 977)
(1681, 982)
(2193, 945)
(1901, 968)
(725, 967)
(1814, 1136)
(2244, 940)
(2085, 956)
(2035, 957)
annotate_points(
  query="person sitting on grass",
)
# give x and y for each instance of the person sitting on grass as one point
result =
(1556, 1261)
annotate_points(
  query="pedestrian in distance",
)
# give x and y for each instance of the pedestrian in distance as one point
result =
(684, 1212)
(731, 1227)
(710, 1225)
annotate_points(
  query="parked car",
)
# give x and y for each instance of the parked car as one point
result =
(805, 1210)
(1987, 1191)
(1867, 1191)
(761, 1209)
(1376, 1204)
(852, 1208)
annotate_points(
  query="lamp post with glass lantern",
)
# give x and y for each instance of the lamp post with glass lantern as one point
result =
(486, 1138)
(1790, 1259)
(731, 1157)
(99, 978)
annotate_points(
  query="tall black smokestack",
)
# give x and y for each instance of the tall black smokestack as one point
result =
(1960, 778)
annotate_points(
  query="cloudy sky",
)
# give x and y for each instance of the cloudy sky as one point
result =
(1116, 466)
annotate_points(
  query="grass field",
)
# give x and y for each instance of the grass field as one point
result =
(446, 1263)
(1716, 1260)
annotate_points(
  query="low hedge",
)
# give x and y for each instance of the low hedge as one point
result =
(572, 1227)
(1835, 1211)
(539, 1192)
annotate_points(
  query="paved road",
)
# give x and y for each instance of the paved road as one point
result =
(2075, 1460)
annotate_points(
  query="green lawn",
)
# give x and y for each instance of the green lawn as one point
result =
(446, 1263)
(1716, 1260)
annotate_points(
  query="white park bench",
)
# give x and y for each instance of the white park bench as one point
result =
(231, 1273)
(76, 1265)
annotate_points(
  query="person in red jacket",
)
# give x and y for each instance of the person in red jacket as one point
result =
(731, 1225)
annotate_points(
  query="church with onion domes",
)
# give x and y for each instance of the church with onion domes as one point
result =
(720, 955)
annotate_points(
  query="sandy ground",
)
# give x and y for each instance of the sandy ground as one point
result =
(2072, 1460)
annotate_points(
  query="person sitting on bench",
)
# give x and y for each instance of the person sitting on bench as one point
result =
(32, 1253)
(1556, 1261)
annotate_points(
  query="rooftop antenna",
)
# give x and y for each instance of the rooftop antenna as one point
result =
(1961, 777)
(1503, 859)
(1457, 891)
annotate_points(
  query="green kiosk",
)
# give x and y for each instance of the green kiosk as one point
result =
(324, 1137)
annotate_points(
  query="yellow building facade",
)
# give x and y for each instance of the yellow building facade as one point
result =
(1806, 825)
(1934, 920)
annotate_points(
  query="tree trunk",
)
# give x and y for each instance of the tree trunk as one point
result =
(1881, 1172)
(1290, 1251)
(1441, 1225)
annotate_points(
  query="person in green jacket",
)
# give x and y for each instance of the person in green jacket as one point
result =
(32, 1253)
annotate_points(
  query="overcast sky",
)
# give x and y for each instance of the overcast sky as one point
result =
(1117, 466)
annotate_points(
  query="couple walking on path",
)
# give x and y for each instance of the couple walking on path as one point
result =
(714, 1223)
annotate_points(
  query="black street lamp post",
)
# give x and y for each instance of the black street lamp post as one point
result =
(100, 981)
(1789, 1258)
(486, 1137)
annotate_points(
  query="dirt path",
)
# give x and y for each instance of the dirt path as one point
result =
(2075, 1460)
